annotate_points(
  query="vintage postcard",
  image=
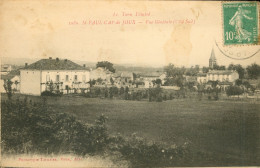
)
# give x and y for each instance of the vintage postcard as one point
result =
(130, 83)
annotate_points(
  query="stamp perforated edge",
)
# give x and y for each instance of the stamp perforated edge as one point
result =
(222, 23)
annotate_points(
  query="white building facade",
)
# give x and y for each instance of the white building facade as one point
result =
(53, 75)
(222, 76)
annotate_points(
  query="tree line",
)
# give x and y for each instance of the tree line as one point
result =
(250, 72)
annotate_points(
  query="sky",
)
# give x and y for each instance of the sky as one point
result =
(42, 29)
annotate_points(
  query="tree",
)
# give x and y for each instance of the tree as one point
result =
(157, 81)
(234, 90)
(155, 94)
(51, 86)
(240, 70)
(92, 82)
(112, 81)
(192, 71)
(107, 65)
(205, 69)
(174, 75)
(126, 93)
(200, 91)
(16, 83)
(8, 88)
(190, 85)
(253, 71)
(127, 89)
(172, 71)
(219, 67)
(238, 82)
(122, 90)
(248, 86)
(99, 81)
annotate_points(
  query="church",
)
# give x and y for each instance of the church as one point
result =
(212, 60)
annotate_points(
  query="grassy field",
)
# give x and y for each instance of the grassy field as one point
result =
(227, 132)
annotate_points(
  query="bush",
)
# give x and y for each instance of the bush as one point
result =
(155, 94)
(28, 128)
(234, 90)
(36, 128)
(141, 153)
(49, 93)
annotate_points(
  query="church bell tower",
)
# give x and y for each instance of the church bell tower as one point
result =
(212, 59)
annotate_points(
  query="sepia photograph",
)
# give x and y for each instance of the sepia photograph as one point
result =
(129, 83)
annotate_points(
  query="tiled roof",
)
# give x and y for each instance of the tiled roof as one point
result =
(151, 74)
(55, 64)
(221, 72)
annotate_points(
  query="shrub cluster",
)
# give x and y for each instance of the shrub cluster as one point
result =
(142, 153)
(35, 128)
(234, 90)
(151, 94)
(49, 93)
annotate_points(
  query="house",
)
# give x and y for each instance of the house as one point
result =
(225, 78)
(53, 75)
(149, 78)
(222, 75)
(202, 77)
(100, 73)
(123, 79)
(14, 77)
(190, 78)
(127, 77)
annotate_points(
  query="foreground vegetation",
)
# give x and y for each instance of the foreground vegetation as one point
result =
(206, 133)
(35, 128)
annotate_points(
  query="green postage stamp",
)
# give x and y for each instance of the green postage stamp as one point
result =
(240, 23)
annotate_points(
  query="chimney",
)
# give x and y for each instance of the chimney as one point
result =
(57, 59)
(84, 65)
(50, 58)
(26, 64)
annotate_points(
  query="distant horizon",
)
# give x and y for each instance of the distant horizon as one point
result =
(19, 61)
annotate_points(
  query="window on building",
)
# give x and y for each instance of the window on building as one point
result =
(84, 78)
(75, 77)
(67, 77)
(57, 78)
(47, 78)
